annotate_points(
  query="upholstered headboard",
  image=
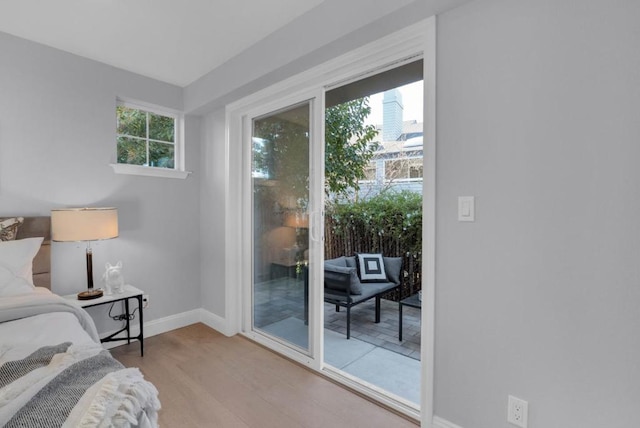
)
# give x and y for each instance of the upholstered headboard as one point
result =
(39, 227)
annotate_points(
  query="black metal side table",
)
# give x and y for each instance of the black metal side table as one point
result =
(411, 301)
(129, 292)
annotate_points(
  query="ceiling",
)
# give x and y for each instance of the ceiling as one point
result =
(169, 40)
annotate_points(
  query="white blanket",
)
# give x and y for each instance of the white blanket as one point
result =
(42, 301)
(119, 398)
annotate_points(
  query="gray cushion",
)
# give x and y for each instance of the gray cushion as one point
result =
(351, 261)
(373, 288)
(393, 268)
(338, 261)
(335, 277)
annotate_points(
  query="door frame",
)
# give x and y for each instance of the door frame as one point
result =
(413, 42)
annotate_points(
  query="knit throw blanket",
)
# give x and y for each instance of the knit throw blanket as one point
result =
(60, 386)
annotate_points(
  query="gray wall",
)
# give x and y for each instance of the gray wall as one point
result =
(331, 29)
(212, 208)
(539, 118)
(262, 64)
(57, 137)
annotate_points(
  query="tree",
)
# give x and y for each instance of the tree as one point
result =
(145, 138)
(281, 149)
(347, 149)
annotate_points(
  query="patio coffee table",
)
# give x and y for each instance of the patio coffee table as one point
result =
(411, 301)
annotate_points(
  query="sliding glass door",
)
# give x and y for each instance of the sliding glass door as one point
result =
(306, 155)
(280, 166)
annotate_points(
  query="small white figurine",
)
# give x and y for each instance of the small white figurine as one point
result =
(113, 278)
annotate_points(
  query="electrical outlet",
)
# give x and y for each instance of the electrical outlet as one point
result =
(517, 412)
(145, 300)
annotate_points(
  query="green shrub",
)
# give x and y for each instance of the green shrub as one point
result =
(390, 223)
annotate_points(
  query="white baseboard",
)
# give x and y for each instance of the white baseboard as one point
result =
(172, 322)
(443, 423)
(214, 321)
(159, 326)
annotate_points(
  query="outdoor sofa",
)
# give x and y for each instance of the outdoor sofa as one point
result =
(348, 281)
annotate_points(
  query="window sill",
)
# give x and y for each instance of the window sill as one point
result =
(121, 168)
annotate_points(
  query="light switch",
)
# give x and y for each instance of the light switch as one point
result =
(466, 208)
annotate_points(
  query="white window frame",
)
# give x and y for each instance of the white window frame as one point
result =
(178, 170)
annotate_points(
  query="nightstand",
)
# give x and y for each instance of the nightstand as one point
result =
(130, 292)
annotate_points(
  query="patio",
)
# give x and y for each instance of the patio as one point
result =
(383, 334)
(281, 298)
(373, 354)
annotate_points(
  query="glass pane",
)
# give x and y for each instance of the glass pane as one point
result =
(161, 127)
(132, 151)
(131, 122)
(377, 216)
(370, 172)
(396, 169)
(415, 168)
(161, 155)
(280, 175)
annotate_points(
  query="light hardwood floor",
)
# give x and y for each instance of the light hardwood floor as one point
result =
(208, 380)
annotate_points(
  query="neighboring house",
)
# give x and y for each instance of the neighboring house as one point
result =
(397, 164)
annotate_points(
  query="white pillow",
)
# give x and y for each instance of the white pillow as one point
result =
(11, 285)
(17, 256)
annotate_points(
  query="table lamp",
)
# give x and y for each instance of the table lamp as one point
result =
(85, 224)
(299, 220)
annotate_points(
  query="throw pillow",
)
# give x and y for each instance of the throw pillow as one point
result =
(371, 268)
(393, 266)
(334, 278)
(9, 228)
(351, 261)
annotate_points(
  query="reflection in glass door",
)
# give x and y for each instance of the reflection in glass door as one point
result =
(280, 202)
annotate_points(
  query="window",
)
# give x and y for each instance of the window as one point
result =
(403, 169)
(370, 171)
(148, 141)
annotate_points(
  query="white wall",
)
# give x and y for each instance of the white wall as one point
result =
(539, 118)
(57, 137)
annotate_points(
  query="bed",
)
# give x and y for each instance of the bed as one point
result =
(53, 370)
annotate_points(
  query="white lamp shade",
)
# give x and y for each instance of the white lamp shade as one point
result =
(84, 224)
(297, 220)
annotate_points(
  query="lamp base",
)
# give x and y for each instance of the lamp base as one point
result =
(92, 293)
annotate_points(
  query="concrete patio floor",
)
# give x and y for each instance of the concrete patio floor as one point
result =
(281, 298)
